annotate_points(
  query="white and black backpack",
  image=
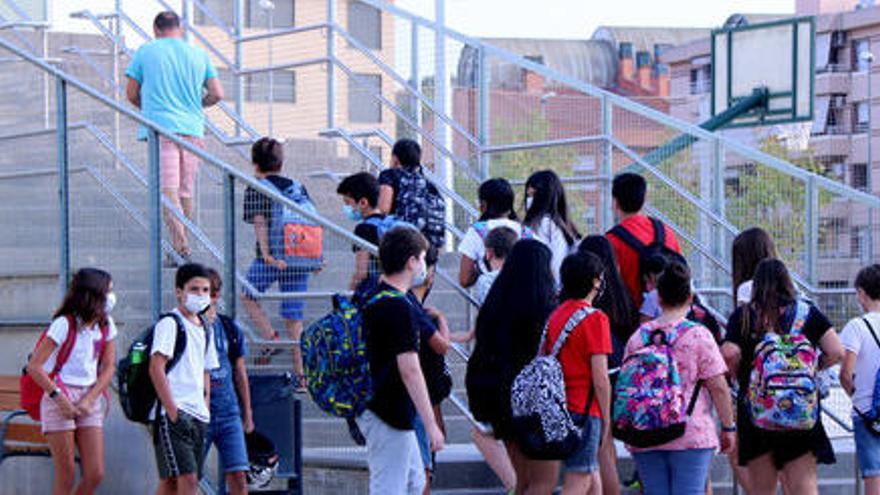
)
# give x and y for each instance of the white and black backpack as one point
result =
(420, 204)
(543, 428)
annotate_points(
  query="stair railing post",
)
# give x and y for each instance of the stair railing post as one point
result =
(414, 72)
(229, 244)
(238, 79)
(483, 102)
(63, 184)
(811, 234)
(331, 59)
(607, 163)
(155, 219)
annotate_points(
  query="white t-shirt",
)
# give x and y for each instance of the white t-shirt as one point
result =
(856, 338)
(187, 378)
(81, 368)
(744, 293)
(651, 305)
(552, 236)
(473, 246)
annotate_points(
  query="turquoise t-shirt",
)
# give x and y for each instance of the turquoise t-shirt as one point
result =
(172, 74)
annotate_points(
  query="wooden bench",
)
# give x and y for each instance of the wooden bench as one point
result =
(19, 435)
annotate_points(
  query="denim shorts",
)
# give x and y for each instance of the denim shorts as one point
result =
(228, 434)
(867, 448)
(586, 458)
(261, 275)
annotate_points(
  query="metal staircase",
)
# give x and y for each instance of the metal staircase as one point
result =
(470, 127)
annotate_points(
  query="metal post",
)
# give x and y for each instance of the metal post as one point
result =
(869, 182)
(483, 109)
(269, 8)
(229, 244)
(811, 234)
(607, 162)
(44, 33)
(414, 74)
(117, 31)
(442, 102)
(155, 218)
(719, 248)
(331, 69)
(238, 18)
(63, 184)
(188, 19)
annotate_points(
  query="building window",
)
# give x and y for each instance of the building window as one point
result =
(282, 14)
(365, 24)
(363, 107)
(860, 117)
(255, 17)
(256, 87)
(856, 241)
(701, 80)
(220, 10)
(835, 168)
(858, 176)
(830, 231)
(859, 47)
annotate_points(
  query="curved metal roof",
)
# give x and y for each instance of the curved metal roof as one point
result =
(594, 62)
(645, 38)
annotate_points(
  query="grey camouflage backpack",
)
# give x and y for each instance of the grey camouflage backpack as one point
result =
(542, 425)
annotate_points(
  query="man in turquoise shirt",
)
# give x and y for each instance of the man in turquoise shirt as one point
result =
(171, 82)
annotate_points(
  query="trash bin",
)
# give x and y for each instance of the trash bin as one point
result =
(278, 415)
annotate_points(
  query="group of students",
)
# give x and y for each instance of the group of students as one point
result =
(203, 399)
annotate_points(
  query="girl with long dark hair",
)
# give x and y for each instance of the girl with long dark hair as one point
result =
(508, 331)
(614, 300)
(74, 404)
(547, 215)
(496, 210)
(775, 308)
(750, 247)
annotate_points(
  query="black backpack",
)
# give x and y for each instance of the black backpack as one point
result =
(656, 253)
(137, 396)
(232, 340)
(419, 203)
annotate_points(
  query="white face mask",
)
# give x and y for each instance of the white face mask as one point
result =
(422, 275)
(529, 200)
(197, 304)
(110, 303)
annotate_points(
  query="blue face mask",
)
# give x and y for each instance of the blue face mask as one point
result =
(351, 213)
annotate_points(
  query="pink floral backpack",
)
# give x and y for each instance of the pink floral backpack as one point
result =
(649, 406)
(783, 394)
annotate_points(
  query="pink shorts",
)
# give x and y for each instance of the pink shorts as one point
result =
(178, 167)
(53, 421)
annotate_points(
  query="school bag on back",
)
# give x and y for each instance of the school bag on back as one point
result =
(871, 418)
(649, 406)
(292, 237)
(137, 396)
(541, 423)
(335, 360)
(656, 251)
(419, 203)
(31, 393)
(782, 393)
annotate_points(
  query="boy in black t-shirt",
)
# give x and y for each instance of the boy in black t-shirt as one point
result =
(267, 156)
(399, 388)
(433, 345)
(360, 195)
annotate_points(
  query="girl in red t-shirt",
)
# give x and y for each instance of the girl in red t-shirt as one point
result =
(584, 360)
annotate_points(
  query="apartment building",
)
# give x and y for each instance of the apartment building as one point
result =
(837, 138)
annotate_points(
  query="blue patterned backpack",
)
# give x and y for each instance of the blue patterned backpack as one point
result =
(335, 361)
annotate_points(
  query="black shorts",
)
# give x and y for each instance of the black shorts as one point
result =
(784, 447)
(180, 446)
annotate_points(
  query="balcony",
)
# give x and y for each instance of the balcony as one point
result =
(833, 82)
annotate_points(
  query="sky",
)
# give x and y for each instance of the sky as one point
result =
(577, 19)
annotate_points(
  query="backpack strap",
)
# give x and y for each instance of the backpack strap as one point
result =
(179, 341)
(659, 232)
(232, 340)
(629, 239)
(66, 347)
(871, 329)
(573, 321)
(802, 311)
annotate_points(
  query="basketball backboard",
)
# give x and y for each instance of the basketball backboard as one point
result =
(778, 56)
